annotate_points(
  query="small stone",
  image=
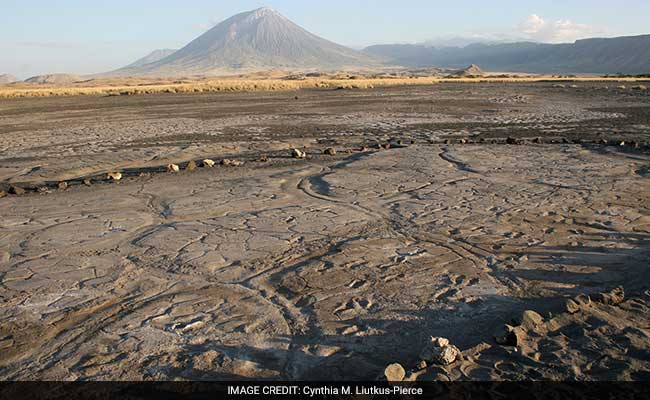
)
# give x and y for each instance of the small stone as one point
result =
(62, 185)
(114, 176)
(613, 297)
(386, 146)
(583, 300)
(463, 141)
(88, 181)
(511, 140)
(191, 166)
(2, 193)
(571, 306)
(394, 373)
(207, 163)
(622, 143)
(264, 158)
(363, 149)
(330, 151)
(173, 168)
(17, 190)
(231, 163)
(531, 320)
(43, 189)
(296, 153)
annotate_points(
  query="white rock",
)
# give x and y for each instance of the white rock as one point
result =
(173, 168)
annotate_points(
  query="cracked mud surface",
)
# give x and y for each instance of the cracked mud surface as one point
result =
(325, 268)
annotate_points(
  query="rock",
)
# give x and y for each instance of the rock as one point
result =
(231, 163)
(264, 158)
(207, 163)
(622, 143)
(440, 351)
(62, 185)
(363, 149)
(43, 189)
(2, 193)
(17, 190)
(296, 153)
(559, 86)
(173, 168)
(394, 373)
(330, 151)
(583, 300)
(114, 176)
(463, 141)
(622, 87)
(191, 166)
(510, 336)
(385, 146)
(640, 87)
(531, 320)
(571, 306)
(613, 297)
(511, 140)
(88, 182)
(537, 140)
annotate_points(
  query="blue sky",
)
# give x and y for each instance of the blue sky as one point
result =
(85, 36)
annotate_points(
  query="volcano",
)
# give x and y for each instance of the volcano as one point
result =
(257, 40)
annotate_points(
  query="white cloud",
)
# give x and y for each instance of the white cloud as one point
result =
(562, 30)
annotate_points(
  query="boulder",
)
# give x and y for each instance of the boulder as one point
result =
(17, 190)
(231, 163)
(191, 166)
(297, 153)
(613, 297)
(571, 306)
(530, 320)
(207, 163)
(114, 176)
(440, 351)
(330, 151)
(173, 168)
(394, 373)
(510, 336)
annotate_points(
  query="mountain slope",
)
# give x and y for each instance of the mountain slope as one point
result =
(629, 55)
(154, 56)
(252, 41)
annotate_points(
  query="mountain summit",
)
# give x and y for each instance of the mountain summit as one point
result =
(251, 41)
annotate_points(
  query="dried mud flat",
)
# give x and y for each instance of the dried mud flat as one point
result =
(329, 267)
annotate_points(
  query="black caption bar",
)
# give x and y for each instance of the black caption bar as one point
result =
(322, 390)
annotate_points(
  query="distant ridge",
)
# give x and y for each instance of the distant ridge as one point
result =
(6, 78)
(627, 55)
(257, 40)
(54, 78)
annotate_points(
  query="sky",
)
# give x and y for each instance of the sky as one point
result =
(89, 36)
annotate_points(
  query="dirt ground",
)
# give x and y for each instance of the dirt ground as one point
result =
(489, 200)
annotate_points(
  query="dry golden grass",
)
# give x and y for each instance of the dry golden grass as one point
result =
(137, 86)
